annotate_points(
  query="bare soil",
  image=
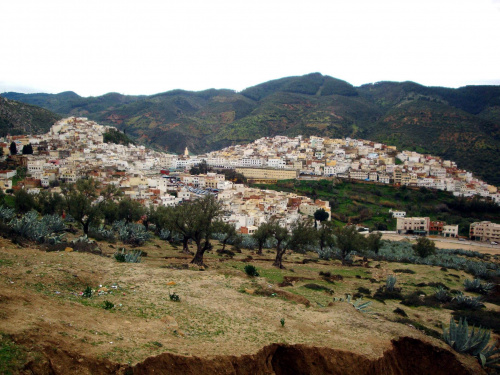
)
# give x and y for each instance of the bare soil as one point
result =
(223, 316)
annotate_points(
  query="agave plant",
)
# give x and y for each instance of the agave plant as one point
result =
(390, 283)
(467, 302)
(475, 285)
(441, 294)
(487, 357)
(358, 303)
(463, 340)
(128, 257)
(6, 213)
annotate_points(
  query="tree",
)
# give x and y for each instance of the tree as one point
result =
(1, 152)
(49, 204)
(227, 230)
(130, 210)
(201, 168)
(207, 209)
(282, 237)
(424, 247)
(374, 241)
(261, 235)
(27, 149)
(301, 234)
(13, 148)
(84, 201)
(347, 239)
(325, 235)
(321, 215)
(23, 201)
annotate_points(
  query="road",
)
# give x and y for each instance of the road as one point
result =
(450, 243)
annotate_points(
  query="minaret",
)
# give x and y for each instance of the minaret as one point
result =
(186, 152)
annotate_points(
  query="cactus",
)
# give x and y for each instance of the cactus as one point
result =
(131, 233)
(132, 257)
(390, 283)
(358, 303)
(441, 294)
(6, 213)
(164, 234)
(463, 340)
(486, 357)
(467, 301)
(476, 286)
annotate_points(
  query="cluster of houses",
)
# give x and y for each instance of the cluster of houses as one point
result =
(282, 157)
(74, 148)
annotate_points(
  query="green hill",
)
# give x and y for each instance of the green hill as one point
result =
(459, 124)
(20, 118)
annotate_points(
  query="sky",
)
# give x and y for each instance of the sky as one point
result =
(146, 47)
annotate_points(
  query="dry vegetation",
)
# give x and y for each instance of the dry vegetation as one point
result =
(221, 311)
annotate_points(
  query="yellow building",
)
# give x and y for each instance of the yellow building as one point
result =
(266, 173)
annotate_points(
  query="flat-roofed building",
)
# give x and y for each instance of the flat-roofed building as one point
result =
(268, 173)
(416, 225)
(485, 231)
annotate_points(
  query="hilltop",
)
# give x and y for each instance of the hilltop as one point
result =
(459, 124)
(19, 118)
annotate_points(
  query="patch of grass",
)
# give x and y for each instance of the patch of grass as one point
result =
(12, 356)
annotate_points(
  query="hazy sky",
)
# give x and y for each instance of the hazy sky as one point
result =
(145, 47)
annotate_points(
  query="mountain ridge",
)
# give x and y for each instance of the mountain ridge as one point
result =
(460, 124)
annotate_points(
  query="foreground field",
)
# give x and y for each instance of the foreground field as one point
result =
(52, 328)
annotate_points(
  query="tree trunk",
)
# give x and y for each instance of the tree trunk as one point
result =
(224, 245)
(198, 257)
(279, 257)
(86, 225)
(259, 252)
(185, 248)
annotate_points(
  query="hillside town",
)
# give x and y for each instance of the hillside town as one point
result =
(75, 148)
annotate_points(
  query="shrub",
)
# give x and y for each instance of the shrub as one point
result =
(404, 270)
(87, 293)
(282, 321)
(174, 297)
(107, 305)
(251, 270)
(399, 311)
(424, 247)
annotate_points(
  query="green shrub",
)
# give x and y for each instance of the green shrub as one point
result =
(107, 305)
(87, 293)
(251, 270)
(174, 297)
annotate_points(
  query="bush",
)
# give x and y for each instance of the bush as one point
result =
(107, 305)
(251, 270)
(174, 297)
(424, 247)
